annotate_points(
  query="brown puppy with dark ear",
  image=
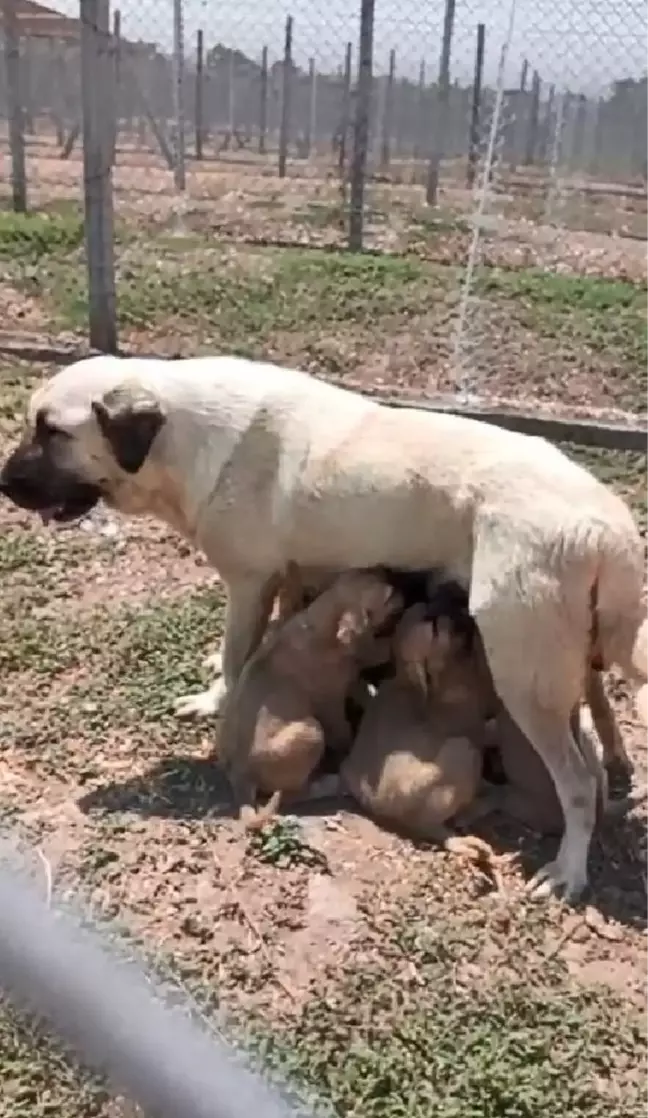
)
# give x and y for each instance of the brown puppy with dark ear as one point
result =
(289, 703)
(417, 759)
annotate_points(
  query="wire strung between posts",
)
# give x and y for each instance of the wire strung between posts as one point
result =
(107, 1011)
(481, 206)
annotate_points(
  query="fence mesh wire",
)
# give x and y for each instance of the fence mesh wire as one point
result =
(573, 114)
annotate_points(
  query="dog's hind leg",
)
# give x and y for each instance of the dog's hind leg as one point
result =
(605, 723)
(534, 628)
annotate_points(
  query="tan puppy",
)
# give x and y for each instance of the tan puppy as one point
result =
(289, 702)
(418, 756)
(260, 465)
(417, 759)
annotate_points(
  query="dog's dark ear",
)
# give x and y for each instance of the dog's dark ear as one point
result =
(129, 418)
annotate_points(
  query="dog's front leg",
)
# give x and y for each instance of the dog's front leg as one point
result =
(249, 602)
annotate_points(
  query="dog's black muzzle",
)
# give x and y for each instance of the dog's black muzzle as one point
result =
(30, 481)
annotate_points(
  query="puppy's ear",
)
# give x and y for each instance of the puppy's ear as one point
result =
(129, 418)
(352, 624)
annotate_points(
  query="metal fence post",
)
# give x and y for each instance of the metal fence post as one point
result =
(473, 142)
(419, 127)
(531, 147)
(263, 101)
(198, 100)
(361, 125)
(97, 78)
(179, 169)
(442, 106)
(15, 107)
(286, 98)
(346, 112)
(312, 108)
(117, 48)
(388, 112)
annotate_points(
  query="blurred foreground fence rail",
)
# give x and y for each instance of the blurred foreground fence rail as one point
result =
(108, 1012)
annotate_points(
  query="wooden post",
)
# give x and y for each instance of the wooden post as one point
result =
(263, 102)
(534, 118)
(388, 113)
(97, 96)
(15, 107)
(442, 105)
(312, 107)
(198, 98)
(361, 126)
(286, 98)
(473, 139)
(345, 120)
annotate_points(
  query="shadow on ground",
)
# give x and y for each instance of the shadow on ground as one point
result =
(188, 788)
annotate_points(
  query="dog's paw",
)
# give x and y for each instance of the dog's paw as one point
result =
(554, 880)
(214, 663)
(203, 704)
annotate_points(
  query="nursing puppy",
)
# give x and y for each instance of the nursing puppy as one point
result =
(418, 756)
(288, 704)
(259, 465)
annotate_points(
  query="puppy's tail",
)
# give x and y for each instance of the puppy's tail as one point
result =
(620, 624)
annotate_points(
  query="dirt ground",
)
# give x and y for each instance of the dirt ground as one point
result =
(387, 978)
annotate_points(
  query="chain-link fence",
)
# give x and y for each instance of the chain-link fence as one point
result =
(377, 126)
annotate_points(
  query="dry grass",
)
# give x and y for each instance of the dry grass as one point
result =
(391, 979)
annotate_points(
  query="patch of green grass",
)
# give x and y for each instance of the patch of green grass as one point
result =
(282, 843)
(604, 317)
(34, 235)
(324, 215)
(16, 384)
(437, 221)
(38, 1079)
(128, 664)
(624, 471)
(246, 299)
(433, 1030)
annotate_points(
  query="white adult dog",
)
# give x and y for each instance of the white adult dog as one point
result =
(259, 465)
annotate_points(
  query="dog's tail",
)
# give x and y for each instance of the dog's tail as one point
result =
(620, 624)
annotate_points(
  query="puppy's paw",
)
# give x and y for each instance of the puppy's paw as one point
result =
(204, 704)
(255, 819)
(214, 663)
